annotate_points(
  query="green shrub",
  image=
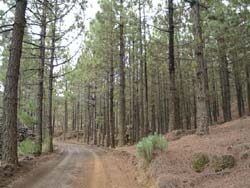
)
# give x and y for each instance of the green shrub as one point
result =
(199, 162)
(220, 163)
(158, 141)
(27, 147)
(26, 119)
(146, 147)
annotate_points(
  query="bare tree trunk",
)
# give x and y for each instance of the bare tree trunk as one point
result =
(194, 109)
(248, 86)
(145, 73)
(9, 148)
(65, 130)
(39, 128)
(94, 117)
(111, 96)
(172, 89)
(202, 112)
(122, 107)
(224, 76)
(238, 87)
(54, 120)
(51, 70)
(215, 106)
(142, 126)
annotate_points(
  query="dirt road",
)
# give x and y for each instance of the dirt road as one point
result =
(78, 166)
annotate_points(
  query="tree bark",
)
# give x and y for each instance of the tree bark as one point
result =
(172, 88)
(248, 86)
(238, 87)
(9, 147)
(224, 77)
(142, 126)
(51, 75)
(145, 73)
(65, 130)
(202, 114)
(122, 107)
(39, 128)
(111, 95)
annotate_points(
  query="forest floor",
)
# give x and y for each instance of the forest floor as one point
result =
(7, 177)
(76, 165)
(173, 168)
(79, 166)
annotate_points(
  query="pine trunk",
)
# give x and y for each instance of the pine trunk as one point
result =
(51, 74)
(122, 109)
(172, 88)
(202, 113)
(9, 148)
(224, 77)
(248, 86)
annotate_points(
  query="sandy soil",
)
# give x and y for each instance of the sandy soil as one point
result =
(79, 166)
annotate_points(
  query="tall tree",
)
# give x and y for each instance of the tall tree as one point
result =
(40, 91)
(51, 76)
(11, 87)
(202, 108)
(172, 89)
(122, 102)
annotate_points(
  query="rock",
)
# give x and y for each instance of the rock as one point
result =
(237, 149)
(28, 158)
(245, 155)
(229, 148)
(168, 181)
(9, 170)
(220, 163)
(199, 161)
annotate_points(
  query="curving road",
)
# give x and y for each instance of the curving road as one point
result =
(77, 167)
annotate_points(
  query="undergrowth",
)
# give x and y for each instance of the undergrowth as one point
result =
(147, 146)
(27, 147)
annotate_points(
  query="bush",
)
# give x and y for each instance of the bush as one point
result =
(146, 147)
(199, 162)
(158, 141)
(220, 163)
(27, 147)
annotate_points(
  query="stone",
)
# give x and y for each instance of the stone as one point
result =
(9, 170)
(245, 155)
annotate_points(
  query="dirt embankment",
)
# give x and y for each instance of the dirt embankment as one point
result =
(173, 169)
(92, 167)
(8, 174)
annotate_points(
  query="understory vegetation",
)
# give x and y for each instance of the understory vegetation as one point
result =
(27, 147)
(147, 146)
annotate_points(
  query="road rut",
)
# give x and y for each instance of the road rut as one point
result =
(79, 166)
